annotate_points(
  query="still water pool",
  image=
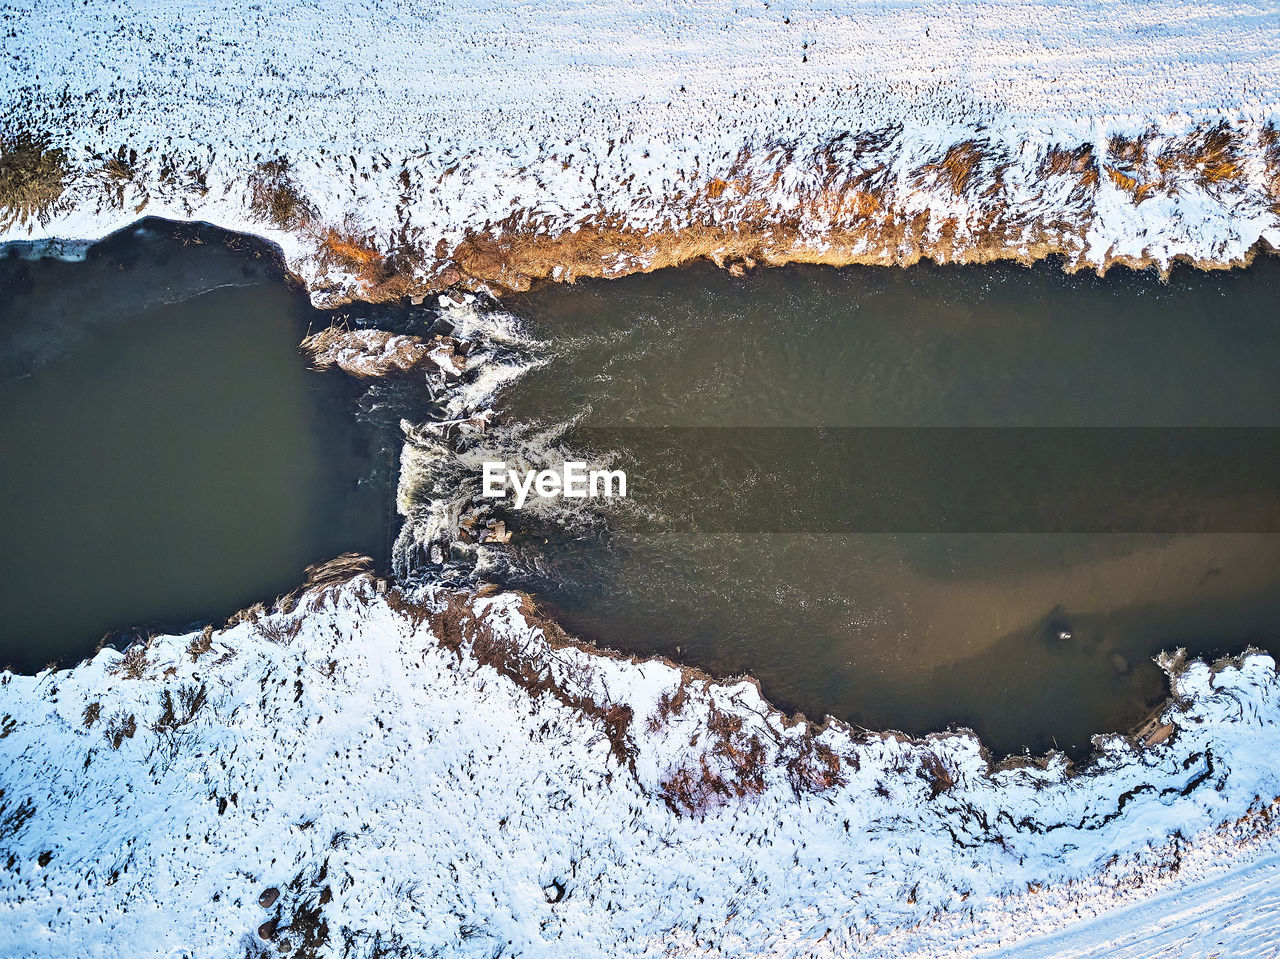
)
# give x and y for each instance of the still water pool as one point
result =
(168, 458)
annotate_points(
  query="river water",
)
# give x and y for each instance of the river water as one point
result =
(915, 620)
(168, 456)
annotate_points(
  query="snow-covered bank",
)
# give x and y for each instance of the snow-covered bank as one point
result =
(463, 780)
(402, 146)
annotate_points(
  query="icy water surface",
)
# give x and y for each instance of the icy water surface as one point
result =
(168, 456)
(1035, 631)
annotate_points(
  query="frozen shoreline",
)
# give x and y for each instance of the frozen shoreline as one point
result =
(396, 152)
(445, 773)
(444, 796)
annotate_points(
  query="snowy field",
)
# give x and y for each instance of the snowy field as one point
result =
(463, 783)
(841, 131)
(459, 784)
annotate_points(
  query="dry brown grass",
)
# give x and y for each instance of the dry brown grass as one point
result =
(92, 712)
(813, 767)
(356, 253)
(1136, 190)
(383, 276)
(119, 728)
(416, 613)
(453, 623)
(1129, 151)
(1079, 163)
(1210, 155)
(250, 614)
(850, 188)
(321, 577)
(134, 663)
(939, 776)
(277, 629)
(959, 165)
(669, 704)
(732, 766)
(1269, 140)
(852, 193)
(175, 713)
(1128, 157)
(374, 356)
(201, 644)
(275, 197)
(514, 255)
(1216, 155)
(116, 172)
(340, 569)
(33, 177)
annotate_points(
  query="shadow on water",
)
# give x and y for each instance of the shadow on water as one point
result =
(168, 456)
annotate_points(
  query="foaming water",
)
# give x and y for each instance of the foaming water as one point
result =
(1033, 638)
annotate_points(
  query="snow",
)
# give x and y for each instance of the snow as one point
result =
(353, 745)
(365, 353)
(346, 747)
(413, 124)
(1233, 916)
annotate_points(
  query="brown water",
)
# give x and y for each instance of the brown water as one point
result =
(906, 627)
(168, 456)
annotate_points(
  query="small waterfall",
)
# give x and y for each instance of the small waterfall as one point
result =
(446, 522)
(450, 531)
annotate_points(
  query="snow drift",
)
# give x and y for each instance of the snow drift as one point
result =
(448, 774)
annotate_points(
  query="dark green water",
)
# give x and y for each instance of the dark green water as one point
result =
(903, 628)
(169, 459)
(168, 456)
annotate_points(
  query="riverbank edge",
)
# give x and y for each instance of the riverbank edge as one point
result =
(1034, 847)
(499, 263)
(1201, 193)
